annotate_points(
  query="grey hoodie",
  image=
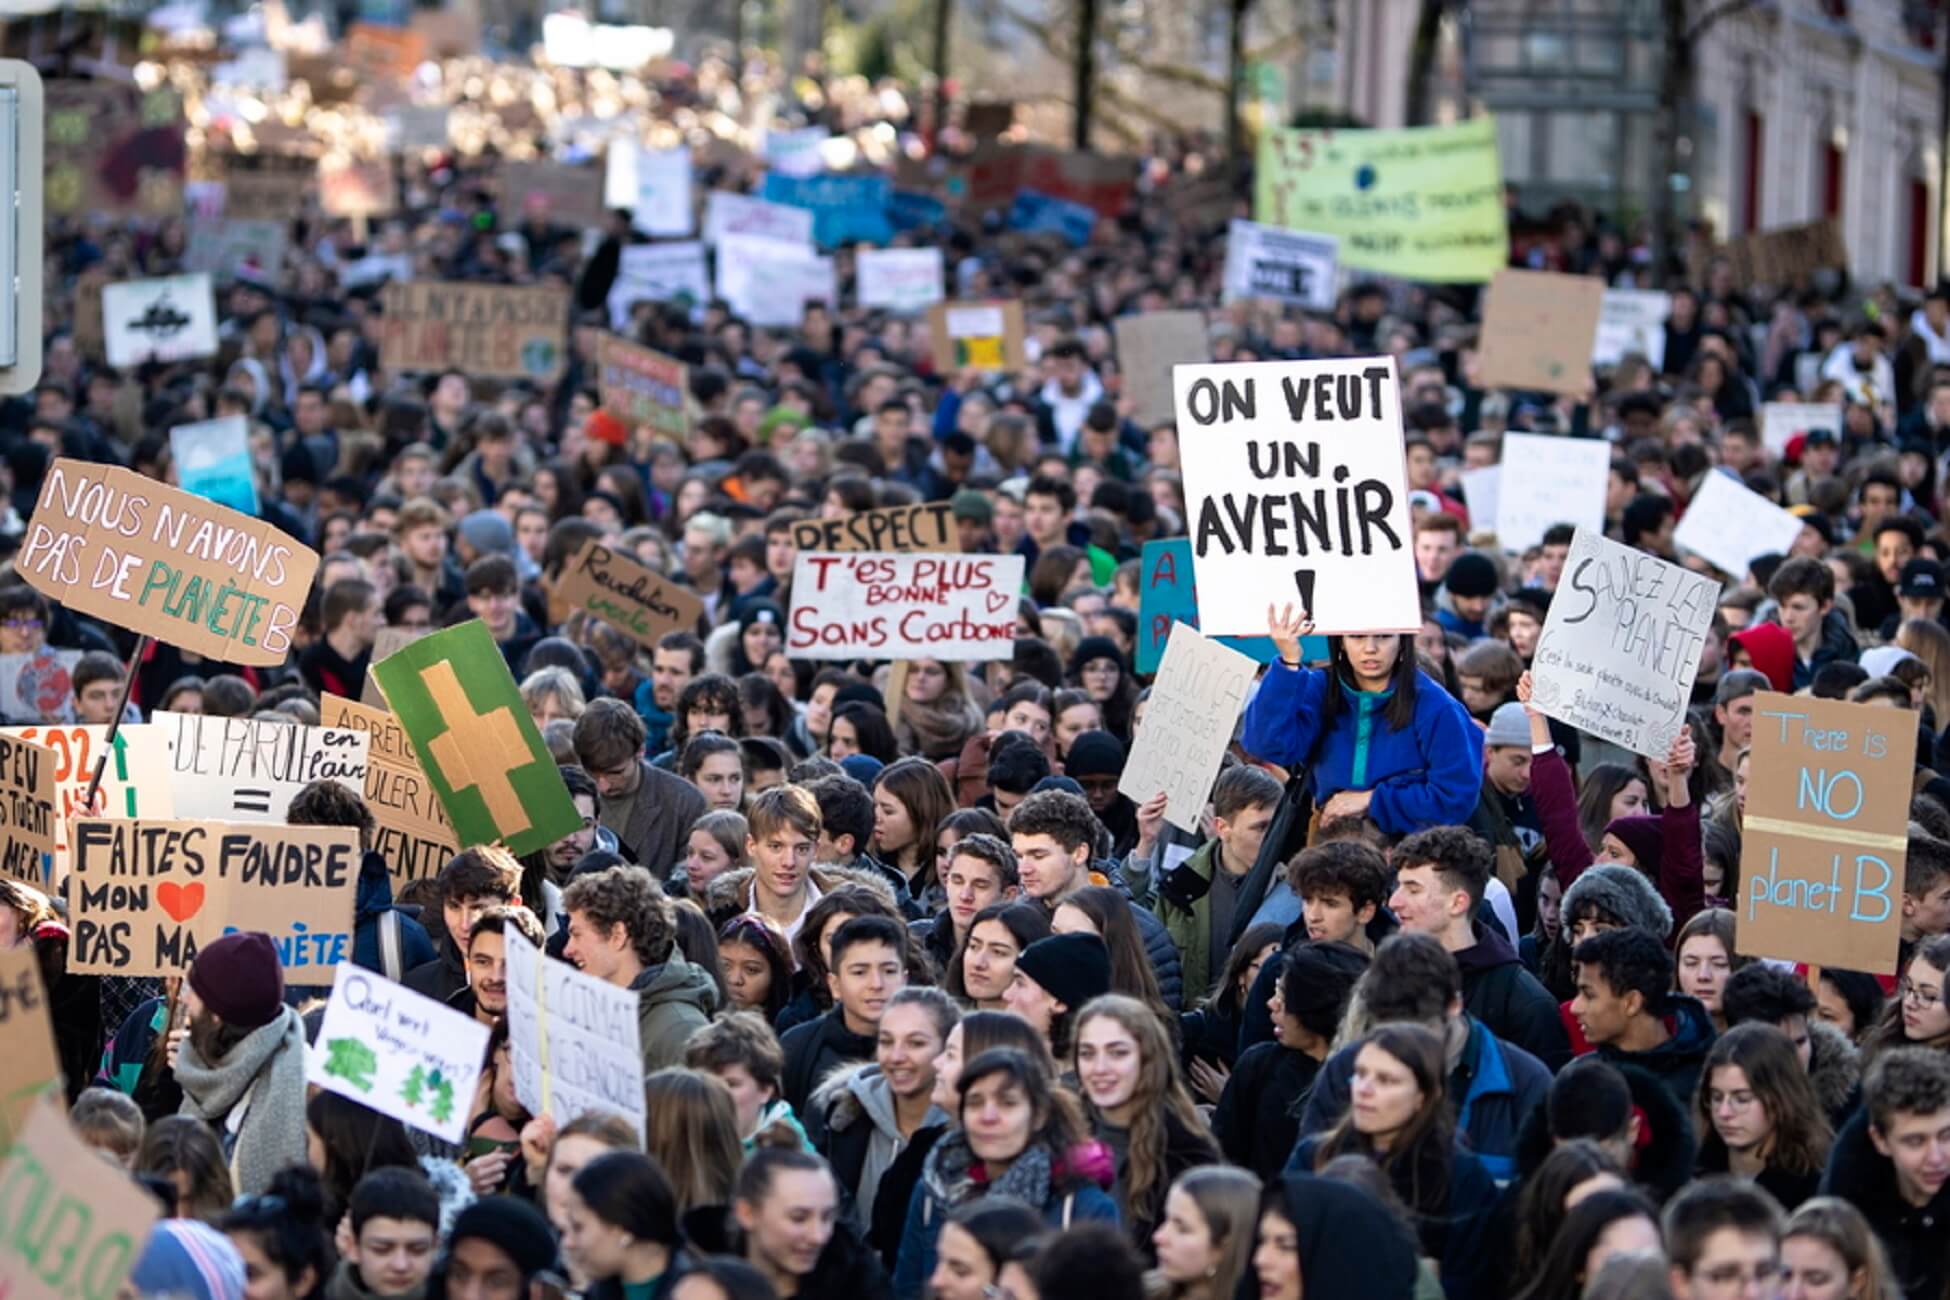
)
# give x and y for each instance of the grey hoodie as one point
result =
(674, 1001)
(857, 1101)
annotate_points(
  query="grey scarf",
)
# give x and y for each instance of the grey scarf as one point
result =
(272, 1135)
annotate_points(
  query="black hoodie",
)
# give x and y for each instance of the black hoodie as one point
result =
(1498, 991)
(1912, 1235)
(1350, 1244)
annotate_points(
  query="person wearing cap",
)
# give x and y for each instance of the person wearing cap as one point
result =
(241, 1059)
(1919, 594)
(499, 1245)
(1054, 978)
(1733, 713)
(1504, 815)
(1471, 583)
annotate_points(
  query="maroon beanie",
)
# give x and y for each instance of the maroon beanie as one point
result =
(1644, 836)
(238, 978)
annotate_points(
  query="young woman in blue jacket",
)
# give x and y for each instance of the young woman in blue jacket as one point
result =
(1387, 742)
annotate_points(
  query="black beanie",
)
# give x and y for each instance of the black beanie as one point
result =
(512, 1224)
(1072, 968)
(1016, 767)
(1471, 574)
(1095, 647)
(1095, 753)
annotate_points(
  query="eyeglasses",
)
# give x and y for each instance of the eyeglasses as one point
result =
(1922, 997)
(29, 624)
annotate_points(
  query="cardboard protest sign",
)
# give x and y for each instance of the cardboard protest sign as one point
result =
(628, 596)
(770, 283)
(881, 605)
(573, 1039)
(31, 1064)
(135, 780)
(726, 213)
(1729, 525)
(1545, 480)
(985, 336)
(1780, 422)
(846, 209)
(1036, 213)
(231, 245)
(500, 331)
(655, 184)
(414, 835)
(111, 544)
(248, 769)
(111, 146)
(1167, 595)
(169, 319)
(1284, 265)
(38, 687)
(71, 1223)
(460, 709)
(386, 642)
(556, 191)
(1149, 344)
(147, 895)
(1632, 320)
(924, 526)
(1786, 256)
(267, 189)
(213, 461)
(383, 53)
(642, 386)
(27, 814)
(900, 279)
(1621, 647)
(356, 189)
(1195, 702)
(1538, 331)
(399, 1052)
(657, 273)
(1296, 486)
(1825, 835)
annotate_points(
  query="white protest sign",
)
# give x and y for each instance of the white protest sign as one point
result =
(797, 152)
(246, 770)
(1780, 421)
(170, 319)
(399, 1052)
(230, 245)
(883, 605)
(655, 184)
(657, 273)
(1632, 320)
(573, 1039)
(38, 687)
(1296, 486)
(903, 279)
(1195, 701)
(726, 213)
(1479, 488)
(769, 283)
(1284, 265)
(1546, 481)
(135, 780)
(1619, 652)
(1729, 525)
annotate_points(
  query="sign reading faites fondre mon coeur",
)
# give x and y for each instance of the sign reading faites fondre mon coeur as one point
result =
(109, 543)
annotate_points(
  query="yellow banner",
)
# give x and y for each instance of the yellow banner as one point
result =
(1424, 203)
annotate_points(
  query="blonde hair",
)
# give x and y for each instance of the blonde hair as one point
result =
(1928, 641)
(1837, 1224)
(556, 681)
(693, 1135)
(1228, 1200)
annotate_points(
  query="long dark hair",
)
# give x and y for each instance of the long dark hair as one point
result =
(357, 1141)
(285, 1223)
(1399, 712)
(1890, 1031)
(626, 1189)
(1763, 1054)
(1561, 1272)
(769, 944)
(1025, 922)
(1417, 1161)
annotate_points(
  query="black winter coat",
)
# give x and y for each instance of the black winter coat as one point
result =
(1912, 1236)
(1257, 1120)
(1498, 991)
(813, 1051)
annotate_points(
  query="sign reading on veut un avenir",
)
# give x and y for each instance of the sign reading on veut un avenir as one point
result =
(414, 835)
(1200, 691)
(1825, 835)
(1619, 652)
(399, 1052)
(1296, 489)
(628, 596)
(877, 605)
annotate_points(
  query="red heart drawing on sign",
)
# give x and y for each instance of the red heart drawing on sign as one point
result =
(180, 901)
(997, 600)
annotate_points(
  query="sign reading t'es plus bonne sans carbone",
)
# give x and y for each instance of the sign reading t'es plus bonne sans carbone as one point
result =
(876, 605)
(1296, 487)
(1824, 839)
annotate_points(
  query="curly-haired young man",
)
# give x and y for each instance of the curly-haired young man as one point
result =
(621, 931)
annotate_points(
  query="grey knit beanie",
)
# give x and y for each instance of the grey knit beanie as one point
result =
(1622, 891)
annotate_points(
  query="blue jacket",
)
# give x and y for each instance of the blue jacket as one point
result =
(1429, 775)
(373, 899)
(926, 1214)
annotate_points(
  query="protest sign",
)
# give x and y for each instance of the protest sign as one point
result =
(414, 835)
(556, 191)
(641, 386)
(1480, 493)
(213, 461)
(1188, 723)
(383, 53)
(1621, 647)
(997, 171)
(657, 273)
(769, 282)
(460, 709)
(883, 605)
(169, 319)
(908, 210)
(1167, 595)
(1786, 256)
(573, 1039)
(900, 279)
(1780, 422)
(1424, 203)
(1034, 213)
(1538, 331)
(230, 245)
(146, 896)
(985, 336)
(38, 687)
(110, 146)
(1825, 836)
(30, 1065)
(1284, 265)
(1632, 320)
(796, 152)
(924, 526)
(72, 1224)
(386, 642)
(1296, 485)
(1729, 525)
(249, 769)
(356, 188)
(27, 815)
(412, 127)
(135, 780)
(1545, 480)
(111, 544)
(846, 209)
(655, 184)
(499, 331)
(268, 189)
(1148, 346)
(398, 1052)
(726, 213)
(627, 595)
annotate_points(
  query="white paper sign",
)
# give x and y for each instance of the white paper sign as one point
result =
(882, 605)
(135, 780)
(657, 273)
(227, 246)
(770, 283)
(1546, 481)
(655, 184)
(1200, 689)
(1621, 647)
(1479, 487)
(1780, 421)
(170, 319)
(796, 153)
(726, 213)
(1284, 265)
(1728, 524)
(1296, 486)
(903, 279)
(573, 1039)
(244, 770)
(1632, 320)
(398, 1052)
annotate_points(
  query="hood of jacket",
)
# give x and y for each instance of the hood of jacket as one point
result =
(1770, 647)
(1490, 951)
(856, 1092)
(375, 889)
(1350, 1244)
(676, 981)
(1834, 1066)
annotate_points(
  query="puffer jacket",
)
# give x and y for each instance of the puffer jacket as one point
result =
(730, 894)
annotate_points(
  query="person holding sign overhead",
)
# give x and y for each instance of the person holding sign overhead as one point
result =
(1384, 740)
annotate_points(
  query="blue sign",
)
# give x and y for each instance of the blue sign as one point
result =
(911, 210)
(1034, 213)
(1167, 595)
(846, 209)
(213, 460)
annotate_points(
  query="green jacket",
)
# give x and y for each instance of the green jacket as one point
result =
(1190, 927)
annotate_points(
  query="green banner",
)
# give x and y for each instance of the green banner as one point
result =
(1424, 203)
(457, 702)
